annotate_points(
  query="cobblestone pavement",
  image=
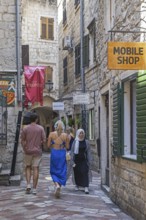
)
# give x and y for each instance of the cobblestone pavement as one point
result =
(73, 205)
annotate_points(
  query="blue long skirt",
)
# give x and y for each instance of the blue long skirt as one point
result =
(58, 166)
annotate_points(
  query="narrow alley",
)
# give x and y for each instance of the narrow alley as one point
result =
(16, 205)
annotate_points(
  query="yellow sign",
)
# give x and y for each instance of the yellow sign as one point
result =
(127, 55)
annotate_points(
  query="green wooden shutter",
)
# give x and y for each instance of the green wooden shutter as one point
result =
(141, 115)
(117, 120)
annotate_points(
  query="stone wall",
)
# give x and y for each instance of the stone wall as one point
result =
(128, 188)
(8, 36)
(8, 68)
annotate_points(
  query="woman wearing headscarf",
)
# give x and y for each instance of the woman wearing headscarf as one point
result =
(81, 161)
(58, 141)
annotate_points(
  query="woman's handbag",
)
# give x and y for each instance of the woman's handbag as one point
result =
(68, 157)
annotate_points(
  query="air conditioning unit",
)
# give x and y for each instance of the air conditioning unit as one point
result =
(67, 43)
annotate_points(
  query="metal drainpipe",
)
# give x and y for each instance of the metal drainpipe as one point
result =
(84, 124)
(81, 49)
(19, 98)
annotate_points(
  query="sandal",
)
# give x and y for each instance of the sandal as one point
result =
(28, 190)
(34, 191)
(57, 192)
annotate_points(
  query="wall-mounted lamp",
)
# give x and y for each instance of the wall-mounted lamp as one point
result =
(49, 85)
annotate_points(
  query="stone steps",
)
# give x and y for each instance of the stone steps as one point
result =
(5, 177)
(15, 180)
(7, 180)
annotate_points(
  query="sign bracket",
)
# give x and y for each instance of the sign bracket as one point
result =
(127, 32)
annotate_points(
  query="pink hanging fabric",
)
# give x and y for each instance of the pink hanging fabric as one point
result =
(34, 84)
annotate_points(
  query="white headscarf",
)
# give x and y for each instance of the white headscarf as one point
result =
(77, 139)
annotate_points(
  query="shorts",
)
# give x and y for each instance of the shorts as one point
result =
(33, 161)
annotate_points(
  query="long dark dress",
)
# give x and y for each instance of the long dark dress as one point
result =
(81, 169)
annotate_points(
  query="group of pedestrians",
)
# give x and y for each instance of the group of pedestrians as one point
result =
(60, 142)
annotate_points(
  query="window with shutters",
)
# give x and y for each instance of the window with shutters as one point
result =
(47, 28)
(124, 119)
(129, 121)
(65, 70)
(129, 117)
(86, 51)
(64, 13)
(77, 60)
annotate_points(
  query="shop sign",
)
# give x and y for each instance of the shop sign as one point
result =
(81, 99)
(58, 105)
(7, 89)
(126, 55)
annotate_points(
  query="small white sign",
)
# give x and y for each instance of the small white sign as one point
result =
(81, 99)
(58, 105)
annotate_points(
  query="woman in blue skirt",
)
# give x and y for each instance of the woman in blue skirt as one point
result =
(58, 141)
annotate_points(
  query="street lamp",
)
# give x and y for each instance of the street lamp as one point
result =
(49, 85)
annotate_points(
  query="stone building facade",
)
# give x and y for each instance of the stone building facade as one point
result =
(40, 48)
(124, 93)
(70, 79)
(29, 36)
(119, 94)
(10, 84)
